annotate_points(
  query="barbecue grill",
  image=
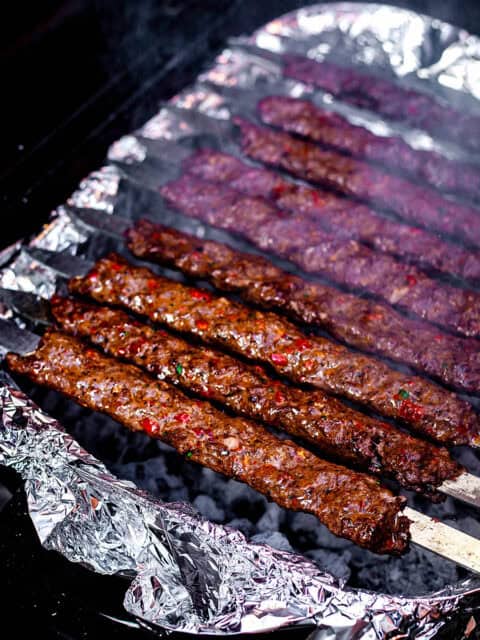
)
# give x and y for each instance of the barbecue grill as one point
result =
(44, 168)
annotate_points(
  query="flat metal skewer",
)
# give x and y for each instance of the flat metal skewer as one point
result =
(465, 488)
(444, 540)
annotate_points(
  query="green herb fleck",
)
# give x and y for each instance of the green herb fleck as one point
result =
(403, 393)
(189, 454)
(179, 369)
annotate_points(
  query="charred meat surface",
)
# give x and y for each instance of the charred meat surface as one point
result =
(315, 250)
(362, 323)
(346, 434)
(283, 471)
(333, 130)
(343, 217)
(266, 337)
(358, 179)
(387, 99)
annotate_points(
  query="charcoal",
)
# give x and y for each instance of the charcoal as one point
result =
(244, 501)
(273, 539)
(243, 525)
(338, 565)
(308, 533)
(418, 572)
(272, 519)
(208, 508)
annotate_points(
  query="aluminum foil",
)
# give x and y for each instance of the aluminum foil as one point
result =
(400, 42)
(183, 572)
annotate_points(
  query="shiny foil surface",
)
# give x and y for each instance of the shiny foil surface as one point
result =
(183, 572)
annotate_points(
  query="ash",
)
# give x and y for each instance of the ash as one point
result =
(157, 468)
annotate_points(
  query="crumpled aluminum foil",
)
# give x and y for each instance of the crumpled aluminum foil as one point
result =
(400, 42)
(186, 573)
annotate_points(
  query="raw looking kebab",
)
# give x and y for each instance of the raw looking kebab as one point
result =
(355, 178)
(333, 130)
(315, 250)
(362, 323)
(387, 99)
(341, 216)
(293, 477)
(266, 337)
(312, 415)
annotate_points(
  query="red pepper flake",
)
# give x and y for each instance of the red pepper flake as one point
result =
(198, 432)
(182, 417)
(411, 280)
(279, 358)
(410, 410)
(295, 503)
(198, 294)
(290, 284)
(116, 266)
(258, 369)
(415, 230)
(135, 346)
(150, 426)
(279, 397)
(302, 344)
(389, 544)
(309, 364)
(90, 353)
(438, 338)
(202, 325)
(317, 200)
(374, 315)
(152, 284)
(93, 275)
(279, 189)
